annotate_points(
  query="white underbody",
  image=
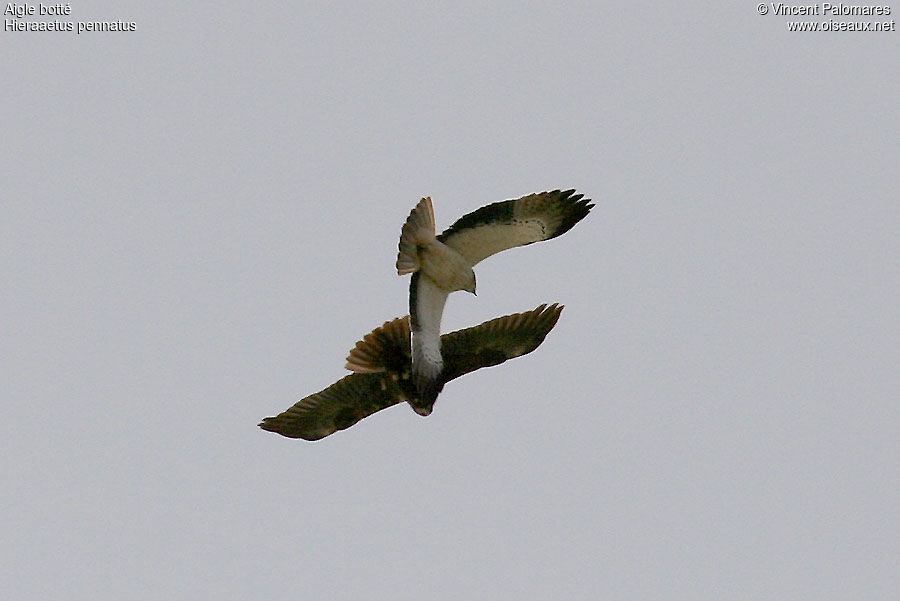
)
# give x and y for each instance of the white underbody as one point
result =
(443, 270)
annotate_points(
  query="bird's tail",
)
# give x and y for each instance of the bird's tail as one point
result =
(382, 349)
(417, 231)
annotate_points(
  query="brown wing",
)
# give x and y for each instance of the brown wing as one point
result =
(359, 395)
(497, 340)
(512, 223)
(337, 407)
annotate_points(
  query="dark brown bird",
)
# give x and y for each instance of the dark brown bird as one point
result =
(382, 361)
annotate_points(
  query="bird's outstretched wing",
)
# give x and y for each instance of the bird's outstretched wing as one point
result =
(497, 340)
(337, 407)
(386, 352)
(510, 223)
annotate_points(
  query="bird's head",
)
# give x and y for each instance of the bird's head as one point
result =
(423, 410)
(425, 393)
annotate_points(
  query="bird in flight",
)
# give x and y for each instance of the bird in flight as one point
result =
(382, 363)
(441, 264)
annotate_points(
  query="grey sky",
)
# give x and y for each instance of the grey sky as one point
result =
(199, 218)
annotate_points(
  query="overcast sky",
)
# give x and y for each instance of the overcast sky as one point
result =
(200, 217)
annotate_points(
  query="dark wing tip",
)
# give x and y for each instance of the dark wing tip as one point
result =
(575, 207)
(541, 319)
(279, 425)
(545, 316)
